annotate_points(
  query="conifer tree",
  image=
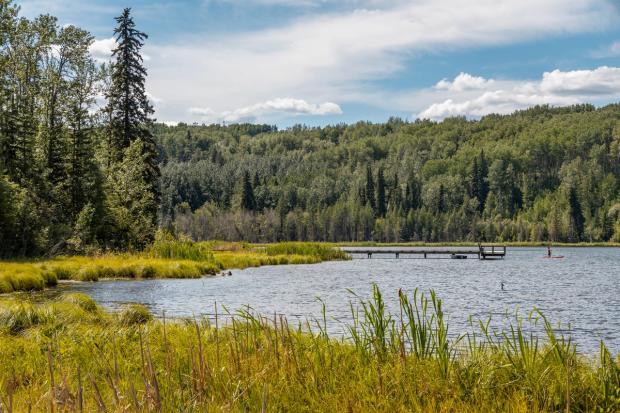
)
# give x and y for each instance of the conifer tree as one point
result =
(129, 108)
(247, 193)
(474, 181)
(575, 215)
(482, 183)
(370, 189)
(381, 204)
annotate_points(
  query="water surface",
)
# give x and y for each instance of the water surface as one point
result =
(582, 290)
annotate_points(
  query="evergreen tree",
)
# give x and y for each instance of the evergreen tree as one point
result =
(482, 181)
(370, 190)
(396, 196)
(575, 214)
(130, 201)
(381, 202)
(247, 200)
(441, 199)
(128, 105)
(474, 182)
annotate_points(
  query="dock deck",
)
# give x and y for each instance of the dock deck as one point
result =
(482, 252)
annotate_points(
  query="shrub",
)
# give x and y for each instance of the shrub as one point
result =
(134, 314)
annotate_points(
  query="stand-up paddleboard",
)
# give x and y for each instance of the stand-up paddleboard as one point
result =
(554, 256)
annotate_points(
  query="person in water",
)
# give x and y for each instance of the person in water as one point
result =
(549, 251)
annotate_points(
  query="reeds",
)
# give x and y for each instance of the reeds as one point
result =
(325, 252)
(68, 356)
(166, 258)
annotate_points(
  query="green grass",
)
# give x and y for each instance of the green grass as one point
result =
(70, 355)
(324, 251)
(166, 258)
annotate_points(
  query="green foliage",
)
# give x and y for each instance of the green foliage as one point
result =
(166, 258)
(133, 314)
(53, 157)
(324, 252)
(74, 358)
(166, 246)
(500, 178)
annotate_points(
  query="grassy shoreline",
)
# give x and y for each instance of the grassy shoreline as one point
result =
(165, 259)
(475, 244)
(71, 355)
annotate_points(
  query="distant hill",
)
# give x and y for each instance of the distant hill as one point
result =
(538, 174)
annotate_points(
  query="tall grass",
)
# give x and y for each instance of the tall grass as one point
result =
(69, 355)
(168, 247)
(323, 251)
(165, 258)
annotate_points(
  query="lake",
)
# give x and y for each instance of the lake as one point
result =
(582, 290)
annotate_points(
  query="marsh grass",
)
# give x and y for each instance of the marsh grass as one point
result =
(68, 356)
(166, 258)
(325, 252)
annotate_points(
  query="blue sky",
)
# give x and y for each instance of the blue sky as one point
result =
(329, 61)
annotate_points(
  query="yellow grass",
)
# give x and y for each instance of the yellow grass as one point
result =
(70, 355)
(164, 260)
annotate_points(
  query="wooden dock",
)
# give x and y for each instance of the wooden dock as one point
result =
(482, 252)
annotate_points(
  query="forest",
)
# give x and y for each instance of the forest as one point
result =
(85, 167)
(78, 164)
(542, 174)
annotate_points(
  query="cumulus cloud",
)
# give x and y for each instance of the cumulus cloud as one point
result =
(555, 88)
(101, 49)
(464, 81)
(338, 56)
(272, 107)
(600, 81)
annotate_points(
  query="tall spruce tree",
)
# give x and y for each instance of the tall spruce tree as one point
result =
(129, 108)
(575, 215)
(370, 189)
(381, 204)
(482, 182)
(248, 202)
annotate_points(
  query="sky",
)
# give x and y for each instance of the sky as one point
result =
(319, 62)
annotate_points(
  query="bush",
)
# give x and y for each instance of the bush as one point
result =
(134, 314)
(83, 301)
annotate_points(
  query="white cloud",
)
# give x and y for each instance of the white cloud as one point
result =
(505, 96)
(600, 81)
(273, 107)
(101, 49)
(464, 81)
(339, 56)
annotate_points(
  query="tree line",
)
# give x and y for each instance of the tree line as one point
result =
(78, 162)
(85, 168)
(541, 174)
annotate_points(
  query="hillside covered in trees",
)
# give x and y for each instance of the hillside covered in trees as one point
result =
(84, 168)
(536, 175)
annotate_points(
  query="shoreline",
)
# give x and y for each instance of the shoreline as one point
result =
(474, 244)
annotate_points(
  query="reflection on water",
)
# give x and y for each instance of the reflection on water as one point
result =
(582, 290)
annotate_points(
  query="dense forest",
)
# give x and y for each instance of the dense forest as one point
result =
(78, 163)
(85, 168)
(536, 175)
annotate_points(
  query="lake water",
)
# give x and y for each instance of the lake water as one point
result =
(581, 290)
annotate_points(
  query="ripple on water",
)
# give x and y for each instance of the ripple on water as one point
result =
(582, 290)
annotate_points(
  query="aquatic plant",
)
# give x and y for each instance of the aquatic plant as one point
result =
(324, 251)
(166, 258)
(66, 355)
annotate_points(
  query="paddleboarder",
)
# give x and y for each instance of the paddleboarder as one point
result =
(549, 251)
